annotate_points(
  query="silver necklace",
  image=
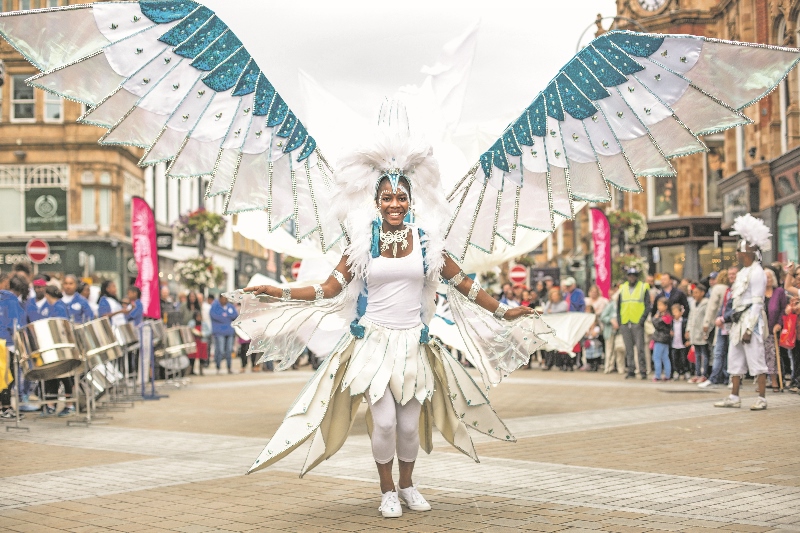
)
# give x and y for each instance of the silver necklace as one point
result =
(392, 238)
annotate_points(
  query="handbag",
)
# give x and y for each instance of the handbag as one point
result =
(691, 356)
(652, 345)
(789, 331)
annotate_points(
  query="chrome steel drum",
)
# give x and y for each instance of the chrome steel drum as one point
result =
(126, 335)
(180, 362)
(47, 349)
(97, 340)
(159, 331)
(180, 342)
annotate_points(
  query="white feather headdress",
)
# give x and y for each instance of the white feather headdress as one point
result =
(356, 181)
(753, 231)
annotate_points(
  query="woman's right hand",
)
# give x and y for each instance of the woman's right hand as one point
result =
(267, 290)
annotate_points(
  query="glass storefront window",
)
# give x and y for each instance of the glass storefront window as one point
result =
(671, 260)
(787, 234)
(713, 259)
(715, 162)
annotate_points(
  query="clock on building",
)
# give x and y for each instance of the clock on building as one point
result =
(651, 6)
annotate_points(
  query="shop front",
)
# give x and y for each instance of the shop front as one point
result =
(688, 248)
(785, 172)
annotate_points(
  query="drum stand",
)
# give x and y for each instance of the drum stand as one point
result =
(146, 352)
(17, 395)
(84, 385)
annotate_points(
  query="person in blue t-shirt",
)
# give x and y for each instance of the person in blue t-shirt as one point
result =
(78, 307)
(12, 317)
(223, 313)
(135, 311)
(56, 308)
(33, 309)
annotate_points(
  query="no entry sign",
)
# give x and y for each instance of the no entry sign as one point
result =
(295, 269)
(37, 250)
(518, 274)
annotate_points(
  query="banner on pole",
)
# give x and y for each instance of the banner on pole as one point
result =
(145, 253)
(602, 251)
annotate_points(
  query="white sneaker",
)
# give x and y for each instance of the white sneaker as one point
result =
(708, 385)
(413, 499)
(760, 405)
(728, 402)
(390, 505)
(730, 385)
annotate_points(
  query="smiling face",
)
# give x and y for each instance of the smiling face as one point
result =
(393, 205)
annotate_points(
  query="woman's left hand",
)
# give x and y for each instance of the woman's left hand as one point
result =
(518, 312)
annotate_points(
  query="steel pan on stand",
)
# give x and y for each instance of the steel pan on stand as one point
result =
(179, 343)
(128, 337)
(100, 346)
(48, 349)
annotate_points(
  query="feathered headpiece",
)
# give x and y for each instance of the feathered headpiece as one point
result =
(753, 232)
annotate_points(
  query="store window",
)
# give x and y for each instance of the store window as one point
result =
(52, 3)
(714, 258)
(715, 168)
(24, 4)
(22, 104)
(53, 108)
(787, 234)
(662, 197)
(671, 260)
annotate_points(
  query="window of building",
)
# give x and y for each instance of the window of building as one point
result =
(52, 3)
(24, 4)
(40, 188)
(740, 159)
(53, 108)
(787, 234)
(713, 172)
(22, 105)
(662, 197)
(671, 260)
(105, 209)
(783, 92)
(88, 219)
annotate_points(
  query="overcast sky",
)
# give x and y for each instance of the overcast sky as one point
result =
(362, 51)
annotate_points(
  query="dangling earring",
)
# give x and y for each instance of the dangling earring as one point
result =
(378, 215)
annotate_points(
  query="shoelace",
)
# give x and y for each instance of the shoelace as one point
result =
(389, 500)
(414, 494)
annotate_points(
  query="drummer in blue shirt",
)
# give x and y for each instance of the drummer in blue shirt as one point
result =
(56, 308)
(11, 315)
(78, 307)
(33, 310)
(135, 311)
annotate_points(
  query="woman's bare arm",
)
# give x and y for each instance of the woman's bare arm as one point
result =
(483, 299)
(330, 288)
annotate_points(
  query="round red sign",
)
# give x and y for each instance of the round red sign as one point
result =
(295, 269)
(518, 274)
(37, 250)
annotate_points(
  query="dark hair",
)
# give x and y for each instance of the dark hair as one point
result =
(136, 290)
(19, 285)
(3, 277)
(193, 305)
(22, 267)
(53, 292)
(701, 287)
(662, 299)
(104, 290)
(677, 306)
(402, 179)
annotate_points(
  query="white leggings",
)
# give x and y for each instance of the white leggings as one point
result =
(394, 426)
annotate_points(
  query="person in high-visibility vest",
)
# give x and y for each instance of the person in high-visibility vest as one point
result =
(632, 311)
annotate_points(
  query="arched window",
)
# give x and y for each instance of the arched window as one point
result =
(787, 233)
(783, 91)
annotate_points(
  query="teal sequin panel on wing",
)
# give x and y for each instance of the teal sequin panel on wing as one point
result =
(164, 11)
(510, 144)
(201, 38)
(553, 101)
(636, 44)
(617, 57)
(265, 92)
(537, 117)
(601, 68)
(574, 102)
(225, 76)
(288, 126)
(585, 80)
(297, 139)
(248, 79)
(308, 149)
(277, 112)
(187, 27)
(220, 50)
(522, 130)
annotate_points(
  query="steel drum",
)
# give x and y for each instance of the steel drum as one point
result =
(97, 340)
(159, 336)
(47, 349)
(180, 341)
(126, 335)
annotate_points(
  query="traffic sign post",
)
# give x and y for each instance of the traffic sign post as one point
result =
(295, 270)
(37, 251)
(518, 274)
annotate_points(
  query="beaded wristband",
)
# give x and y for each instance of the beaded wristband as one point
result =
(473, 291)
(340, 278)
(500, 312)
(456, 280)
(319, 294)
(286, 294)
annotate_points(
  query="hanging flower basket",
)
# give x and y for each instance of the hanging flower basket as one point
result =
(633, 223)
(191, 225)
(200, 272)
(622, 262)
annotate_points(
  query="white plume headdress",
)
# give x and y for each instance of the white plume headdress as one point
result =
(753, 233)
(394, 152)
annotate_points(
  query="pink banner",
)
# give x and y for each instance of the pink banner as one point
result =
(602, 251)
(145, 253)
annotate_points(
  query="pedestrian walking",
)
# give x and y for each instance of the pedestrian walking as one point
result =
(697, 336)
(662, 337)
(223, 313)
(633, 310)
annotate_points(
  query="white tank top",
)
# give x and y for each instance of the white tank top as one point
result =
(394, 288)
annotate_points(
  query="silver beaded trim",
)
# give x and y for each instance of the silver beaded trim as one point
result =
(500, 312)
(286, 294)
(474, 290)
(319, 294)
(456, 280)
(340, 278)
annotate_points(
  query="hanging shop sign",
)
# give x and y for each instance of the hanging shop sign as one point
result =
(46, 209)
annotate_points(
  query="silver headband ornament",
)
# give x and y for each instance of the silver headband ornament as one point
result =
(394, 175)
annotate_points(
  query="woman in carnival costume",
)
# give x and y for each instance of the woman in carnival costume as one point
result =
(387, 280)
(170, 77)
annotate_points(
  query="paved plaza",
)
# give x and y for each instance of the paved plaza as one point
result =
(594, 453)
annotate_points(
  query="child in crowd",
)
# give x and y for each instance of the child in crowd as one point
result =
(696, 336)
(662, 323)
(679, 347)
(592, 347)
